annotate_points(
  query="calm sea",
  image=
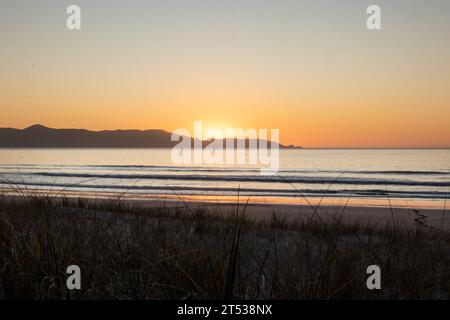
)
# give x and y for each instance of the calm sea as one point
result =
(366, 176)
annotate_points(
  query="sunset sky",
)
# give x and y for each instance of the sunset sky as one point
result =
(309, 68)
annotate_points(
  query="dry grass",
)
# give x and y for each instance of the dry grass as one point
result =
(128, 252)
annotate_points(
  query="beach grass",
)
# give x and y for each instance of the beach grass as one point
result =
(127, 251)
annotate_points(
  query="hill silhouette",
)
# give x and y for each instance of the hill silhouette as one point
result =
(39, 136)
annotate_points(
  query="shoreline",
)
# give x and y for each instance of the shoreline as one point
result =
(325, 210)
(353, 200)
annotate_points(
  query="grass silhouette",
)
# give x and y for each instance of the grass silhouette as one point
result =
(126, 251)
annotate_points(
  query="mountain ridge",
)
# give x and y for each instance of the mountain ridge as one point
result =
(40, 136)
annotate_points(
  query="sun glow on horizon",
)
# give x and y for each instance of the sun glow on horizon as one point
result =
(322, 79)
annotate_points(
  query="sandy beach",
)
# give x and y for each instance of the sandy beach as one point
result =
(405, 214)
(402, 217)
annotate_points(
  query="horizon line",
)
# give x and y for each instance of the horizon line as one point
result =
(299, 147)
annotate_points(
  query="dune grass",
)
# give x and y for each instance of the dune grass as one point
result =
(134, 252)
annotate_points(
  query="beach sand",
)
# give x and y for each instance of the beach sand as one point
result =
(405, 214)
(402, 217)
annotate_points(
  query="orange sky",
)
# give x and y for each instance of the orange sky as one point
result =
(323, 80)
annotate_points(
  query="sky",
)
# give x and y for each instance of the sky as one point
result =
(311, 68)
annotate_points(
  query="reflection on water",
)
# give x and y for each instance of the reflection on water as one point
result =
(419, 177)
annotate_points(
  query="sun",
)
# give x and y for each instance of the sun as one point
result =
(219, 130)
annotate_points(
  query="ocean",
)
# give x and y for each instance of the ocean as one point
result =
(403, 177)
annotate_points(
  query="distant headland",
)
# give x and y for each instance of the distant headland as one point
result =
(39, 136)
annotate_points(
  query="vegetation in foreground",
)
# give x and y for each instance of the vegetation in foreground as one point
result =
(129, 252)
